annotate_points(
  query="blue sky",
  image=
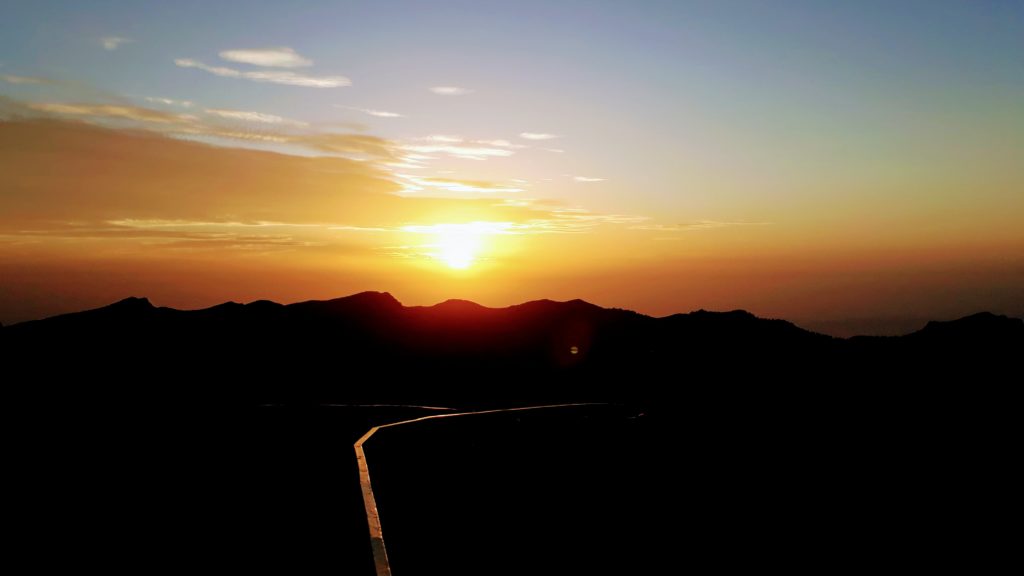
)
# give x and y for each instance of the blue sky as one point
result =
(698, 84)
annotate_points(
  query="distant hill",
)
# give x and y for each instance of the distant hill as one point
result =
(369, 346)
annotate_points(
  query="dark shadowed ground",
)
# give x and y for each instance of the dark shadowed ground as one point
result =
(588, 489)
(142, 438)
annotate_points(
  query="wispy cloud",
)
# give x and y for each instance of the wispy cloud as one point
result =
(185, 234)
(189, 126)
(587, 179)
(548, 221)
(199, 131)
(348, 228)
(502, 144)
(537, 136)
(476, 226)
(357, 145)
(23, 79)
(471, 152)
(555, 150)
(577, 221)
(460, 147)
(451, 185)
(112, 111)
(114, 42)
(285, 77)
(450, 90)
(697, 225)
(276, 203)
(371, 111)
(277, 57)
(446, 138)
(249, 116)
(169, 101)
(383, 114)
(180, 223)
(152, 188)
(452, 139)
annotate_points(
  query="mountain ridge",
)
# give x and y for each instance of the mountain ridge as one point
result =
(378, 300)
(368, 347)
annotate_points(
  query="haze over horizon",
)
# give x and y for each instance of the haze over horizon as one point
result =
(850, 168)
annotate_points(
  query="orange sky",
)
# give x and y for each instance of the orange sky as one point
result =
(93, 214)
(853, 167)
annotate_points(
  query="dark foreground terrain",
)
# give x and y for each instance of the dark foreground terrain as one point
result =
(720, 441)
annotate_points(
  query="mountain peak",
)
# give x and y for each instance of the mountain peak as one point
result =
(973, 326)
(368, 297)
(580, 303)
(458, 304)
(546, 303)
(375, 294)
(132, 303)
(362, 303)
(377, 298)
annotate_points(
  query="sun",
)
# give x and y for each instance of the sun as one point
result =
(458, 246)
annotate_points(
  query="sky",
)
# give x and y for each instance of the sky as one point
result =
(852, 167)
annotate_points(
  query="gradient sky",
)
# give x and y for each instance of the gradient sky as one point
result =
(854, 167)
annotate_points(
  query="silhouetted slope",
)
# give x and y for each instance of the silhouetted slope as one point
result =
(979, 329)
(369, 346)
(731, 440)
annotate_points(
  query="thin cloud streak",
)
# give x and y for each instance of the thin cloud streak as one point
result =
(284, 77)
(537, 136)
(502, 144)
(450, 90)
(460, 147)
(278, 57)
(587, 179)
(189, 126)
(112, 111)
(169, 101)
(361, 228)
(11, 79)
(454, 186)
(466, 152)
(358, 145)
(698, 225)
(578, 220)
(111, 43)
(371, 111)
(445, 138)
(160, 223)
(249, 116)
(157, 238)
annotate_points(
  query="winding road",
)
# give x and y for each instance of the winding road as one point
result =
(380, 554)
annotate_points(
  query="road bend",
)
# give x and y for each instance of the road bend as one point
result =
(380, 554)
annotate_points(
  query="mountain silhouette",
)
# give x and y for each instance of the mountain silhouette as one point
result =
(369, 347)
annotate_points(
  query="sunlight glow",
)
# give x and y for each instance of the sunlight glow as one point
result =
(459, 246)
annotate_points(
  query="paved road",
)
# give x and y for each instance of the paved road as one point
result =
(380, 555)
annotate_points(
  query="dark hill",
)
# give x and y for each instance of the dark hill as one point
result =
(370, 347)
